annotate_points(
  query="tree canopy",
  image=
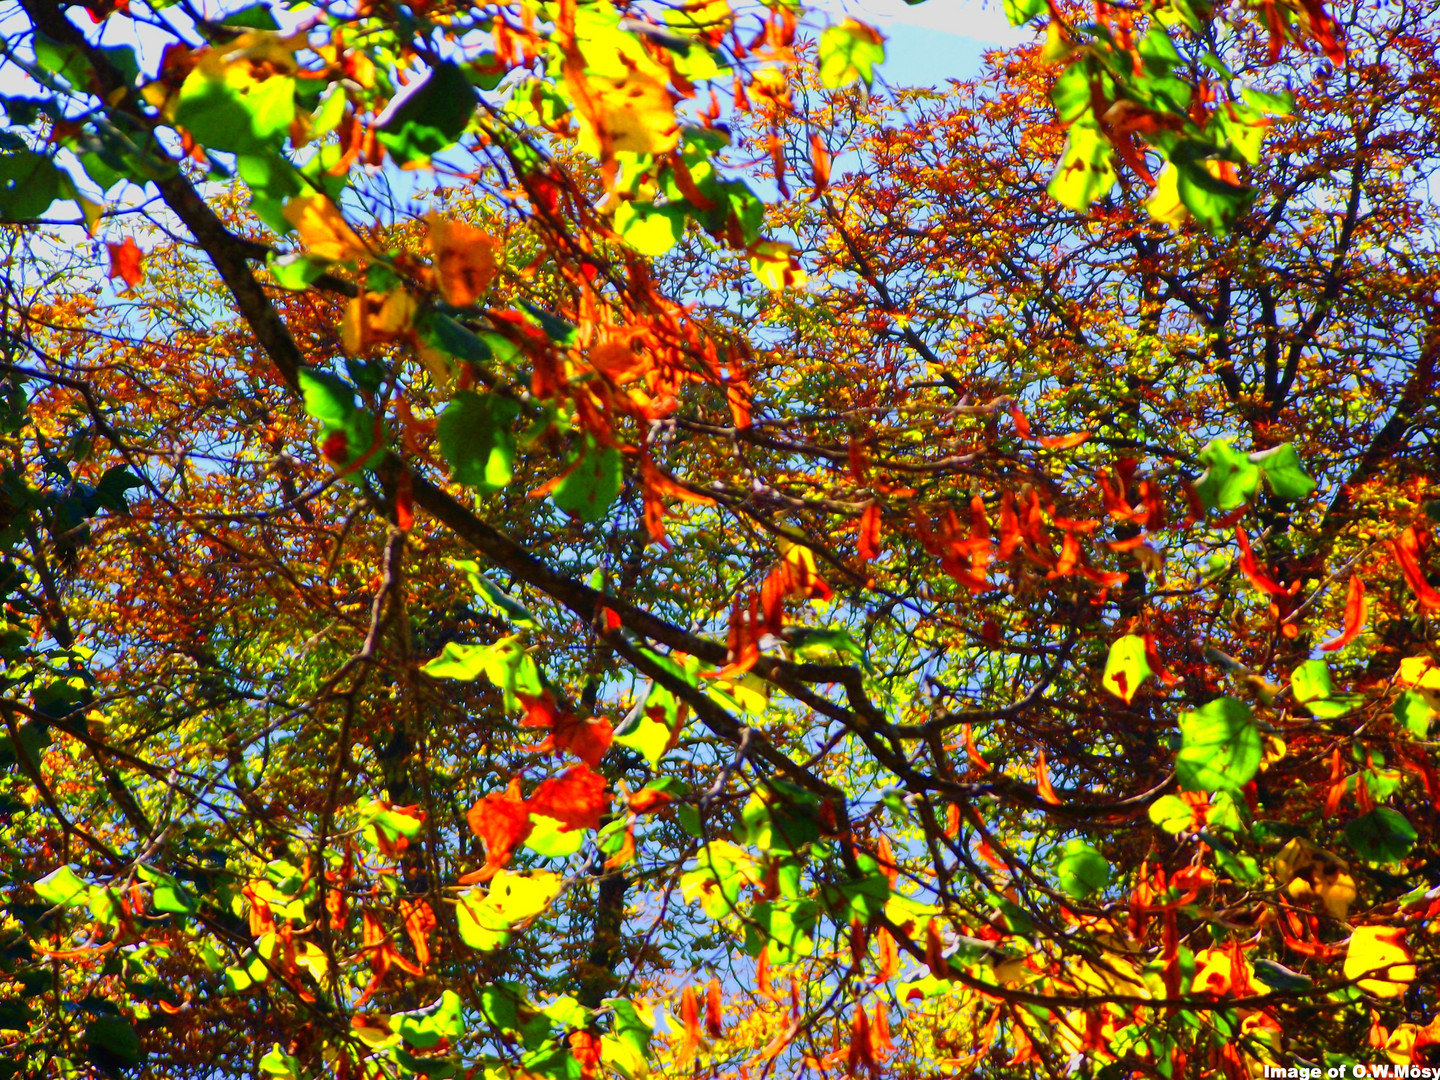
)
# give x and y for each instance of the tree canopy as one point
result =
(578, 538)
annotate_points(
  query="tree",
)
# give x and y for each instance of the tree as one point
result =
(600, 539)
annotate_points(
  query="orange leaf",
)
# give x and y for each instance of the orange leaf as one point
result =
(585, 1049)
(819, 163)
(465, 259)
(885, 856)
(575, 799)
(1042, 780)
(972, 752)
(1063, 442)
(1022, 425)
(880, 1039)
(125, 261)
(861, 1052)
(419, 920)
(646, 800)
(690, 1018)
(889, 962)
(1355, 611)
(322, 227)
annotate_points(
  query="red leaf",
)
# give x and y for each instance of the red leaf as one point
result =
(586, 739)
(869, 529)
(575, 799)
(1248, 567)
(1406, 548)
(125, 259)
(502, 821)
(1355, 611)
(714, 1025)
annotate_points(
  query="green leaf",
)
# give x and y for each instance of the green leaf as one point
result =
(1282, 470)
(475, 439)
(456, 339)
(1381, 836)
(1172, 813)
(1413, 711)
(423, 1028)
(495, 599)
(650, 230)
(232, 110)
(296, 272)
(648, 737)
(809, 644)
(503, 1005)
(167, 894)
(785, 927)
(29, 183)
(849, 51)
(278, 1065)
(62, 887)
(1214, 202)
(1018, 12)
(1082, 870)
(1230, 479)
(486, 918)
(67, 61)
(113, 1042)
(1279, 977)
(592, 483)
(254, 17)
(1086, 170)
(1220, 746)
(328, 398)
(1126, 667)
(1311, 681)
(429, 117)
(549, 839)
(459, 661)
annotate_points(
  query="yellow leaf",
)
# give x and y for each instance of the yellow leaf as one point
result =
(1400, 1046)
(636, 113)
(1164, 203)
(1420, 671)
(322, 229)
(1378, 959)
(775, 266)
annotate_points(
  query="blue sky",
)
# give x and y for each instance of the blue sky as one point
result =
(931, 42)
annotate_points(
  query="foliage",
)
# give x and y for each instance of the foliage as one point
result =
(580, 538)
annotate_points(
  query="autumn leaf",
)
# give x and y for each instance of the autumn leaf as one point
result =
(465, 259)
(322, 228)
(1406, 549)
(1355, 611)
(125, 260)
(1379, 961)
(502, 821)
(576, 799)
